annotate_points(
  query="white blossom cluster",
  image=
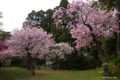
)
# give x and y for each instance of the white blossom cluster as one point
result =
(49, 63)
(59, 50)
(105, 64)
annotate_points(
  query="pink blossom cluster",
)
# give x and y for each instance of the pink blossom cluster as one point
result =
(30, 23)
(85, 54)
(29, 40)
(2, 56)
(89, 22)
(2, 48)
(58, 16)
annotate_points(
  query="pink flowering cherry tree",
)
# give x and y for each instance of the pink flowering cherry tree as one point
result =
(3, 47)
(92, 26)
(59, 51)
(29, 43)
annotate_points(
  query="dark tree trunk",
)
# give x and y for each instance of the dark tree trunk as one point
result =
(31, 65)
(100, 51)
(55, 66)
(118, 44)
(56, 63)
(28, 64)
(102, 56)
(118, 35)
(98, 62)
(0, 64)
(32, 69)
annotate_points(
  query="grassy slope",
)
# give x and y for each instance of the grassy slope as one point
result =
(15, 73)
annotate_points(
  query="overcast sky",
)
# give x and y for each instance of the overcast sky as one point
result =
(15, 11)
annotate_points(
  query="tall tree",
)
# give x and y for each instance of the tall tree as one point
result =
(48, 22)
(93, 25)
(32, 16)
(111, 5)
(62, 35)
(64, 3)
(29, 43)
(1, 17)
(37, 17)
(3, 47)
(4, 35)
(1, 23)
(43, 17)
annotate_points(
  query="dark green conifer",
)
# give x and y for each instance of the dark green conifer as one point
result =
(64, 3)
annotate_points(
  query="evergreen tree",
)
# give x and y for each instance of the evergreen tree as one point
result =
(32, 16)
(48, 22)
(43, 17)
(1, 17)
(106, 4)
(64, 3)
(4, 35)
(62, 35)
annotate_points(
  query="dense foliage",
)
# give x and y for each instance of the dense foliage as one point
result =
(74, 62)
(3, 47)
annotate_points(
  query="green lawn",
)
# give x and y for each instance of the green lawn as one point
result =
(15, 73)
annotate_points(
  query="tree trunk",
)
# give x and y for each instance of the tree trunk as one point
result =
(55, 66)
(118, 44)
(28, 64)
(104, 61)
(56, 63)
(0, 64)
(100, 51)
(118, 35)
(31, 64)
(32, 69)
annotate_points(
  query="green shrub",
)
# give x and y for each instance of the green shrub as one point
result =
(77, 63)
(114, 67)
(7, 62)
(18, 62)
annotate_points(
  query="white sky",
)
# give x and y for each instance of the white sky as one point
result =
(16, 11)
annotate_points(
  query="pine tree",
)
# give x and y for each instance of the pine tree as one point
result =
(64, 3)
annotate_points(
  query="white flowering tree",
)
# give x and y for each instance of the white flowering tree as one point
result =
(59, 51)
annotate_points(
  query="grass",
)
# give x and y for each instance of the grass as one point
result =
(15, 73)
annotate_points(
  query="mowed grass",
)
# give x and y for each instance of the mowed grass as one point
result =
(15, 73)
